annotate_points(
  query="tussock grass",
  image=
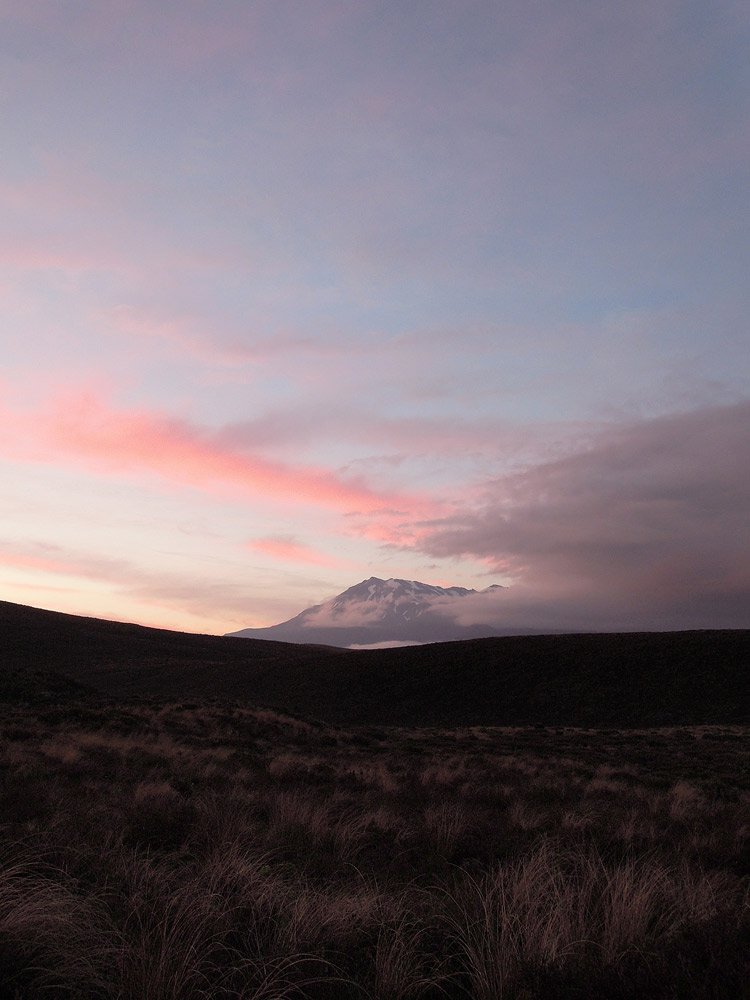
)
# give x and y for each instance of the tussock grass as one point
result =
(50, 935)
(173, 852)
(556, 910)
(404, 963)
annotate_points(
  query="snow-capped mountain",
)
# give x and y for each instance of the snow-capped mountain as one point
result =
(390, 611)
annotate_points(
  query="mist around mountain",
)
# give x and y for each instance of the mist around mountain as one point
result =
(380, 613)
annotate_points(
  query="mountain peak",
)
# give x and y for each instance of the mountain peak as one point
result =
(377, 611)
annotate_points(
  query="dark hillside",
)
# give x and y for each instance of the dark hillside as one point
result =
(619, 679)
(123, 659)
(597, 680)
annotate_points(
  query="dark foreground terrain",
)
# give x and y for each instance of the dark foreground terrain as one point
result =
(171, 848)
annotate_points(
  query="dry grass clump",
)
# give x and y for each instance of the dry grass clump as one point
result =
(556, 911)
(207, 851)
(44, 942)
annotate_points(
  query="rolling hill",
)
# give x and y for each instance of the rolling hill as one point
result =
(589, 680)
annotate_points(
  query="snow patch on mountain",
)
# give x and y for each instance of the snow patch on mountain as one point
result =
(383, 601)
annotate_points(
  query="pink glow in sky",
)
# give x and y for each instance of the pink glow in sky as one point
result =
(292, 295)
(81, 427)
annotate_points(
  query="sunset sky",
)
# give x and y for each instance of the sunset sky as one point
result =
(297, 293)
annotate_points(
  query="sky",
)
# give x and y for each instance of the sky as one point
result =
(298, 292)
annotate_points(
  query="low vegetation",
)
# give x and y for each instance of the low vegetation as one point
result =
(177, 850)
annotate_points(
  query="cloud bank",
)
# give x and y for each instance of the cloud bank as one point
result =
(647, 528)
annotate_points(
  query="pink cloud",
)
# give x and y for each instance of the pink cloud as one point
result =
(289, 549)
(46, 558)
(126, 591)
(82, 427)
(17, 560)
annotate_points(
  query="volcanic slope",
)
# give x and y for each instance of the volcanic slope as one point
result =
(596, 681)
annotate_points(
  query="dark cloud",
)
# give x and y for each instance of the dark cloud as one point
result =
(647, 528)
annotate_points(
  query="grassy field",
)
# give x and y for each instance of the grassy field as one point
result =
(158, 850)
